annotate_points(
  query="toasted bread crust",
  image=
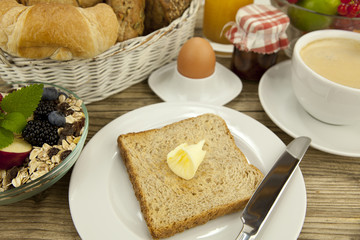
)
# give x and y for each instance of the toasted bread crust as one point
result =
(205, 197)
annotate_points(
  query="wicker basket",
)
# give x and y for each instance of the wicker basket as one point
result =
(121, 66)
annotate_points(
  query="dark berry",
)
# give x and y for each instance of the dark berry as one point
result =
(52, 152)
(43, 109)
(68, 130)
(64, 154)
(50, 93)
(78, 125)
(56, 118)
(38, 132)
(64, 108)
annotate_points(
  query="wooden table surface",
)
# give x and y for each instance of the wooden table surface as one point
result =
(332, 182)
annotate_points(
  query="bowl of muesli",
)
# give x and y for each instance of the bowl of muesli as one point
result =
(43, 128)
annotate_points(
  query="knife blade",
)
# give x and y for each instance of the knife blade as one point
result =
(266, 195)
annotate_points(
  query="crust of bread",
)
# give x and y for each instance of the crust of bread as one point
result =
(33, 2)
(76, 3)
(223, 183)
(88, 3)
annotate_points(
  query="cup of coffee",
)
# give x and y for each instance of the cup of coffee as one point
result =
(326, 75)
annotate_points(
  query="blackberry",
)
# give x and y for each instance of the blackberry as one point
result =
(38, 132)
(43, 109)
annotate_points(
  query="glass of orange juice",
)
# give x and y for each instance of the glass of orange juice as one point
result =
(217, 13)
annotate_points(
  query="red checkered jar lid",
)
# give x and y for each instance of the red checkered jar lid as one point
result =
(259, 28)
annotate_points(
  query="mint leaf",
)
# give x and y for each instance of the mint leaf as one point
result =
(24, 100)
(14, 121)
(6, 137)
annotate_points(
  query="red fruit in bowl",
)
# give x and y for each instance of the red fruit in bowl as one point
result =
(343, 9)
(15, 153)
(1, 98)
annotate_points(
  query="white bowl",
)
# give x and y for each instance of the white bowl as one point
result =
(325, 100)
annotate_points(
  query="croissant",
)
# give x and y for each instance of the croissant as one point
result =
(33, 2)
(57, 31)
(76, 3)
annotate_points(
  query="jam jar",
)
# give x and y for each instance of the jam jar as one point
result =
(258, 34)
(251, 65)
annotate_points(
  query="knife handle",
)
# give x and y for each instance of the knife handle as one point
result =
(243, 236)
(245, 233)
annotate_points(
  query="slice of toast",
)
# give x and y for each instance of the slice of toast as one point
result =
(223, 183)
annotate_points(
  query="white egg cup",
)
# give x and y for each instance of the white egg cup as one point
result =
(219, 88)
(195, 89)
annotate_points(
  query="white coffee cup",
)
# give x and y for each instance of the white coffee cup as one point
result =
(324, 99)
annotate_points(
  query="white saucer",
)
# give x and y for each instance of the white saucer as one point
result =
(281, 105)
(228, 86)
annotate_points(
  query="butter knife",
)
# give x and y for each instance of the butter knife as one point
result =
(265, 197)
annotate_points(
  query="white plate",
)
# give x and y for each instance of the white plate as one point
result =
(103, 204)
(262, 2)
(227, 88)
(281, 105)
(222, 50)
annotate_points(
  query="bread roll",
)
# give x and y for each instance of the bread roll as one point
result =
(130, 14)
(160, 13)
(58, 31)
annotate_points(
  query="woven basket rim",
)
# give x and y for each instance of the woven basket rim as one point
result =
(125, 46)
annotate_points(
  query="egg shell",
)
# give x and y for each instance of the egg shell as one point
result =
(196, 59)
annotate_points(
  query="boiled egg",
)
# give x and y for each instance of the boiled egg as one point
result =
(196, 59)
